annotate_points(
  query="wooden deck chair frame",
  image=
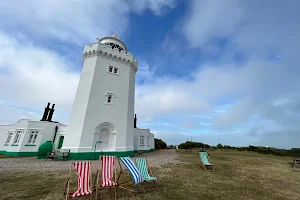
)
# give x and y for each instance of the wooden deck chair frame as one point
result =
(205, 166)
(67, 188)
(116, 179)
(150, 173)
(142, 190)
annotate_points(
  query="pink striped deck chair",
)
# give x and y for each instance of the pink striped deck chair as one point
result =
(108, 171)
(83, 172)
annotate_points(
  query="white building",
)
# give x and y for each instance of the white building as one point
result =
(101, 120)
(25, 137)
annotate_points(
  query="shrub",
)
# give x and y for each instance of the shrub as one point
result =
(159, 143)
(189, 144)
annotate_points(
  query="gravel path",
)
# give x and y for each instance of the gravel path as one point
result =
(155, 159)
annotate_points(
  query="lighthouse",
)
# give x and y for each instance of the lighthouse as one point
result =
(102, 116)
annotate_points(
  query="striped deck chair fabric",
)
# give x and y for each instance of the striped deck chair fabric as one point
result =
(204, 159)
(83, 172)
(142, 167)
(134, 172)
(108, 171)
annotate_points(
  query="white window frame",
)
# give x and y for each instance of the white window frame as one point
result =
(142, 140)
(112, 95)
(116, 68)
(9, 136)
(34, 133)
(109, 98)
(18, 136)
(113, 70)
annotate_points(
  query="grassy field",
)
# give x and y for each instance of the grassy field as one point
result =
(238, 175)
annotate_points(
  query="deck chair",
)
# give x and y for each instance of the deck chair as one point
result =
(206, 161)
(83, 172)
(108, 171)
(144, 168)
(134, 172)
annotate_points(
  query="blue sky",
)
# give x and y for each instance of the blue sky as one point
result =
(219, 71)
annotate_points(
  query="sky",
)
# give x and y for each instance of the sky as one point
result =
(209, 71)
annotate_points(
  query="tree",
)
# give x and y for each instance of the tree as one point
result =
(159, 144)
(219, 146)
(189, 144)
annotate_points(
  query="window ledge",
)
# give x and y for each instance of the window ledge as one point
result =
(6, 144)
(110, 104)
(30, 145)
(114, 73)
(14, 145)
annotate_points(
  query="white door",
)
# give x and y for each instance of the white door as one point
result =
(104, 139)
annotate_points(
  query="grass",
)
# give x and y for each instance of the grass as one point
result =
(238, 175)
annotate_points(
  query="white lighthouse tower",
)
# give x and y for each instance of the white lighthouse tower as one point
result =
(101, 120)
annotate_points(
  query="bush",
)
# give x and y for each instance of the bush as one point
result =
(189, 144)
(263, 150)
(159, 143)
(252, 148)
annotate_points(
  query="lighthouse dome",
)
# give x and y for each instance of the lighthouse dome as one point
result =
(114, 41)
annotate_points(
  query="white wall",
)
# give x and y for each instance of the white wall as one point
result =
(20, 125)
(46, 133)
(90, 108)
(152, 142)
(4, 134)
(141, 132)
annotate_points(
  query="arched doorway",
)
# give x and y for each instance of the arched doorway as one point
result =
(105, 137)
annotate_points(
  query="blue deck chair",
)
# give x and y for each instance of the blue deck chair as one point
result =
(206, 161)
(134, 172)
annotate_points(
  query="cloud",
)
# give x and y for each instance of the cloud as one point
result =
(154, 124)
(34, 75)
(156, 6)
(253, 27)
(71, 21)
(191, 124)
(238, 113)
(247, 61)
(145, 72)
(14, 114)
(166, 96)
(37, 56)
(255, 81)
(209, 19)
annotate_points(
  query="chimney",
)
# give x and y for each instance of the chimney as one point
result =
(135, 120)
(46, 112)
(51, 113)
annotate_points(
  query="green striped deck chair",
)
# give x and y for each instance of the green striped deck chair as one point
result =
(144, 168)
(206, 161)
